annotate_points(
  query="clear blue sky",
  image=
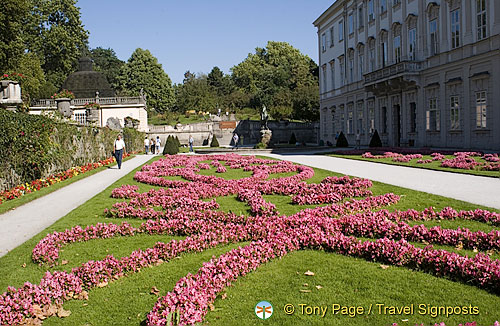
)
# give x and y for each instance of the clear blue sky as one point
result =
(197, 35)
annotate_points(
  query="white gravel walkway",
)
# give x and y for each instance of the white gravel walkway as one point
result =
(21, 224)
(473, 189)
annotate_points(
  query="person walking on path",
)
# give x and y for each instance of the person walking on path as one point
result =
(235, 140)
(358, 140)
(158, 144)
(146, 145)
(191, 142)
(152, 145)
(119, 150)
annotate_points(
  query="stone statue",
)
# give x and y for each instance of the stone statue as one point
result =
(264, 117)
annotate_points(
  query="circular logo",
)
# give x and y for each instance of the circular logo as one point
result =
(264, 310)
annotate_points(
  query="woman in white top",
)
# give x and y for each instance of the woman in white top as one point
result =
(119, 150)
(146, 144)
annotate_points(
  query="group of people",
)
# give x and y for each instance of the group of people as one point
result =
(152, 146)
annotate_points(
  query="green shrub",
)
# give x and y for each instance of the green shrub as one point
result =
(171, 147)
(292, 140)
(260, 146)
(342, 141)
(177, 141)
(375, 141)
(214, 142)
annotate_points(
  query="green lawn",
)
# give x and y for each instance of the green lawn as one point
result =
(343, 280)
(435, 165)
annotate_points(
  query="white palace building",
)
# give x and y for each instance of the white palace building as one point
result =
(423, 73)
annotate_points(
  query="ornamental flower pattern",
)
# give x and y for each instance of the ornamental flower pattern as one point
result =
(187, 208)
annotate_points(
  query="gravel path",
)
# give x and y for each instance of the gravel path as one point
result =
(21, 224)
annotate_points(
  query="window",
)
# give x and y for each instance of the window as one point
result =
(361, 19)
(481, 109)
(332, 41)
(350, 120)
(323, 42)
(360, 118)
(432, 116)
(384, 120)
(342, 118)
(372, 56)
(413, 117)
(371, 116)
(455, 28)
(361, 62)
(396, 2)
(383, 6)
(454, 113)
(342, 77)
(332, 73)
(397, 49)
(434, 37)
(412, 44)
(383, 53)
(341, 30)
(371, 13)
(351, 24)
(481, 19)
(81, 118)
(351, 69)
(323, 70)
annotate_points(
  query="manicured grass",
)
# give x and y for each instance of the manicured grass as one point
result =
(435, 165)
(14, 203)
(344, 280)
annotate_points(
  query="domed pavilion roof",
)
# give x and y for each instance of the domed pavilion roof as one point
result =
(86, 82)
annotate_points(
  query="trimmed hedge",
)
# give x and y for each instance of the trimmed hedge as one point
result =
(214, 142)
(293, 139)
(171, 147)
(375, 141)
(34, 146)
(342, 140)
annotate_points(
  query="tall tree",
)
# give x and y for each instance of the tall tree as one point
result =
(142, 71)
(275, 70)
(54, 31)
(106, 61)
(196, 93)
(12, 16)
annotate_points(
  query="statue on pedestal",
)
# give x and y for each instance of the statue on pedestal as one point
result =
(265, 132)
(263, 118)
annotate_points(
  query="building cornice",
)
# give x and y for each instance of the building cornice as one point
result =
(338, 4)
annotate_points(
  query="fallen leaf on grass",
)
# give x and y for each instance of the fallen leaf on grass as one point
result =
(64, 262)
(224, 296)
(84, 295)
(309, 273)
(460, 246)
(211, 306)
(305, 291)
(61, 313)
(102, 284)
(305, 284)
(23, 265)
(154, 290)
(384, 266)
(319, 287)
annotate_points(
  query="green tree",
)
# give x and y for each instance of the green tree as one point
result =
(12, 16)
(277, 68)
(29, 66)
(196, 94)
(306, 103)
(54, 31)
(106, 61)
(142, 71)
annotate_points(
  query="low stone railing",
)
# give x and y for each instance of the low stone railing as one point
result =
(83, 101)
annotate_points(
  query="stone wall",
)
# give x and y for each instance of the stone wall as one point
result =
(248, 131)
(35, 147)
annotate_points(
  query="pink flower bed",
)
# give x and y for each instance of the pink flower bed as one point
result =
(348, 213)
(462, 160)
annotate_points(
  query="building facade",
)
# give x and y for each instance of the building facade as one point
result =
(423, 73)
